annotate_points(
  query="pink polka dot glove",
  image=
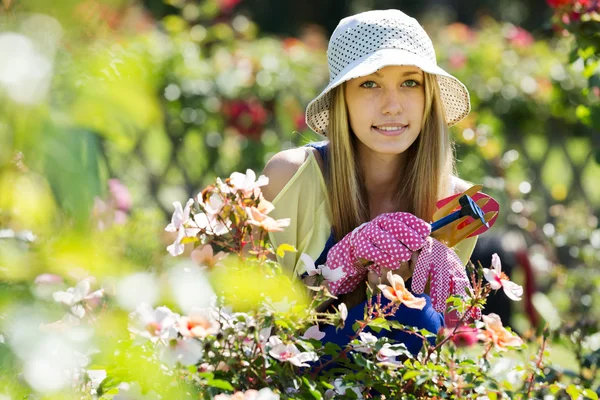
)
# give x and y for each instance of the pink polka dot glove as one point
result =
(440, 265)
(387, 241)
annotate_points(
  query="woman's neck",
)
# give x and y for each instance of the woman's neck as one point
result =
(381, 174)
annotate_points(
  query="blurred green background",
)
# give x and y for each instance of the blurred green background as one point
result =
(111, 110)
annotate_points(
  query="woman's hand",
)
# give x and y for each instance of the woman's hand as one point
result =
(386, 241)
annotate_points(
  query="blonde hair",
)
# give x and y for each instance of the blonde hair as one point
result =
(426, 176)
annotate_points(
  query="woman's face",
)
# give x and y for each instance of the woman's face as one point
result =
(386, 108)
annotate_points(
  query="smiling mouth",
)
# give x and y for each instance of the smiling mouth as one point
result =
(390, 130)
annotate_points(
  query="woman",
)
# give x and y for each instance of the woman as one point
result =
(359, 201)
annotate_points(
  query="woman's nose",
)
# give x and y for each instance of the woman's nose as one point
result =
(391, 103)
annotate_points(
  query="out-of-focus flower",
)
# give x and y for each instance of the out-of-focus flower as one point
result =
(119, 194)
(559, 3)
(248, 117)
(498, 279)
(153, 324)
(465, 336)
(262, 394)
(79, 297)
(519, 37)
(25, 73)
(340, 390)
(135, 289)
(290, 353)
(398, 293)
(367, 340)
(497, 334)
(183, 225)
(227, 6)
(186, 352)
(313, 333)
(204, 256)
(457, 60)
(199, 324)
(267, 223)
(459, 33)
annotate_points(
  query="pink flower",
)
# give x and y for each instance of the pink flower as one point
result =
(519, 37)
(398, 293)
(204, 255)
(498, 279)
(457, 60)
(497, 334)
(290, 353)
(199, 324)
(265, 222)
(119, 194)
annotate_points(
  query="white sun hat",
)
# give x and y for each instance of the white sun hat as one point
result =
(366, 42)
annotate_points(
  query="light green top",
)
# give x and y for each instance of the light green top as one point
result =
(304, 200)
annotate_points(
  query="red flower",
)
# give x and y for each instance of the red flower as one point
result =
(248, 117)
(559, 3)
(228, 5)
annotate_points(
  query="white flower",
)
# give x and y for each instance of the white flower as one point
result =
(340, 389)
(497, 279)
(211, 224)
(329, 274)
(155, 324)
(313, 333)
(76, 298)
(388, 355)
(183, 225)
(290, 353)
(367, 340)
(183, 351)
(247, 183)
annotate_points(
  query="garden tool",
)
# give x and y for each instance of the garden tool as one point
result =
(463, 215)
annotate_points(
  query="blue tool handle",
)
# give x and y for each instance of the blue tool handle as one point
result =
(440, 223)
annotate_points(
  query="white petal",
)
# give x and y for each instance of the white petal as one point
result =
(63, 297)
(331, 275)
(309, 264)
(262, 181)
(496, 263)
(512, 290)
(313, 333)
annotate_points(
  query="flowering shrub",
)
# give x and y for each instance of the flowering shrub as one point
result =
(232, 325)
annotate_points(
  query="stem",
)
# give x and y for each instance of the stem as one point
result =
(537, 366)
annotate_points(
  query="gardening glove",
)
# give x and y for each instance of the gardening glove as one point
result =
(443, 268)
(386, 241)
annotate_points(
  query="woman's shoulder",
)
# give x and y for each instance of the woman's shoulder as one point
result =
(283, 166)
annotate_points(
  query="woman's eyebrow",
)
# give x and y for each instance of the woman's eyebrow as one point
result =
(407, 73)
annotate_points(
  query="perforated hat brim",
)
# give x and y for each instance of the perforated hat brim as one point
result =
(453, 93)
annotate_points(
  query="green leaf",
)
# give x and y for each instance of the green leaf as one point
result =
(220, 384)
(380, 323)
(410, 375)
(573, 391)
(283, 248)
(589, 393)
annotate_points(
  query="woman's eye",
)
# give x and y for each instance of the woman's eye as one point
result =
(411, 83)
(368, 84)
